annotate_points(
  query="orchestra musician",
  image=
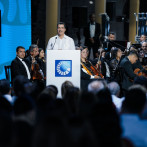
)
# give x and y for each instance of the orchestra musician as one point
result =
(88, 70)
(128, 73)
(116, 55)
(34, 63)
(42, 61)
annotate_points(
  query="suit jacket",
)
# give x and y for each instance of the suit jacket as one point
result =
(96, 37)
(128, 74)
(17, 68)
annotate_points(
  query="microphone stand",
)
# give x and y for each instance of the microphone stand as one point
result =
(54, 43)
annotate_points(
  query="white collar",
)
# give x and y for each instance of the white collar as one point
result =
(63, 37)
(8, 97)
(19, 58)
(93, 23)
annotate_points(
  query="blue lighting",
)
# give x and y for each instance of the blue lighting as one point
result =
(15, 29)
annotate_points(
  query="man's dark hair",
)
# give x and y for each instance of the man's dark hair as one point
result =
(61, 23)
(23, 104)
(65, 85)
(111, 33)
(4, 86)
(135, 99)
(32, 46)
(19, 85)
(133, 52)
(53, 88)
(91, 15)
(83, 47)
(17, 49)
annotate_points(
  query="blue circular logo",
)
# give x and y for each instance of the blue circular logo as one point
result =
(63, 68)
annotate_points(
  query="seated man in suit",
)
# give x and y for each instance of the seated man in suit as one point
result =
(18, 65)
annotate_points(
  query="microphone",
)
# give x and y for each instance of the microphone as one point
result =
(54, 43)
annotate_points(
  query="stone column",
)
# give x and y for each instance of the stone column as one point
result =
(134, 8)
(52, 18)
(100, 7)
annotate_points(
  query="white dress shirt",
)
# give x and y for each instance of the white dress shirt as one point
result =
(92, 30)
(91, 77)
(26, 67)
(9, 98)
(107, 70)
(55, 43)
(117, 102)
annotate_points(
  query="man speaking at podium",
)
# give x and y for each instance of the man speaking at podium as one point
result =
(61, 41)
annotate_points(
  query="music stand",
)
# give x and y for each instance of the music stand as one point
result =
(118, 44)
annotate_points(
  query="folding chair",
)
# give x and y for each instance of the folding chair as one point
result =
(8, 72)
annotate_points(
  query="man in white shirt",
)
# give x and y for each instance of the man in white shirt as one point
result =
(18, 65)
(115, 92)
(61, 41)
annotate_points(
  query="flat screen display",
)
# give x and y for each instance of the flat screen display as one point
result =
(15, 29)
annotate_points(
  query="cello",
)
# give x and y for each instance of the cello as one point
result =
(87, 69)
(36, 71)
(97, 68)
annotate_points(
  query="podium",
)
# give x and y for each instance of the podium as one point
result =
(63, 65)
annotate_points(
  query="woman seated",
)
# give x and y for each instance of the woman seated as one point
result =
(88, 70)
(42, 61)
(114, 64)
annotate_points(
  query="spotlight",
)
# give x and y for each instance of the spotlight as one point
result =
(91, 2)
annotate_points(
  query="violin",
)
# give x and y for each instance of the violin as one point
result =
(138, 72)
(36, 73)
(86, 68)
(144, 71)
(96, 71)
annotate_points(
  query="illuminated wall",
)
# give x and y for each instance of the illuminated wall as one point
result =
(15, 29)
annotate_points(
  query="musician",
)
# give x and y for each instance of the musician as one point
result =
(137, 64)
(61, 41)
(104, 64)
(114, 64)
(41, 58)
(18, 65)
(34, 63)
(128, 74)
(107, 43)
(87, 74)
(143, 53)
(142, 38)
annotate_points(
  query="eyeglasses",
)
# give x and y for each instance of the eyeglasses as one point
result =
(144, 46)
